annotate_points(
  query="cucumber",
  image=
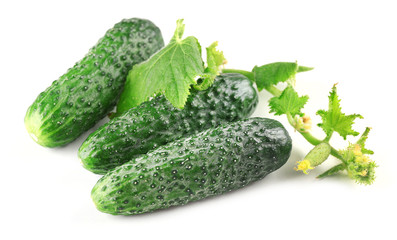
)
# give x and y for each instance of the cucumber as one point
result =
(91, 88)
(157, 122)
(212, 162)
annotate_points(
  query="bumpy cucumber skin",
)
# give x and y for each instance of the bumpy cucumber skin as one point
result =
(209, 163)
(154, 123)
(91, 88)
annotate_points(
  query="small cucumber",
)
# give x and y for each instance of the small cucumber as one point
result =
(156, 122)
(91, 88)
(209, 163)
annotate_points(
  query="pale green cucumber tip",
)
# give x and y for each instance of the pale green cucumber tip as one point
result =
(97, 199)
(32, 125)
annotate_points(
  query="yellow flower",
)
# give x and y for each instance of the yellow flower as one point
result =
(364, 173)
(357, 150)
(303, 124)
(363, 159)
(303, 166)
(307, 122)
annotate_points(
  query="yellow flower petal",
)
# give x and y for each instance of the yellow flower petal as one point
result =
(304, 166)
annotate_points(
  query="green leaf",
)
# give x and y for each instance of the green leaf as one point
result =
(288, 102)
(362, 140)
(273, 73)
(332, 171)
(215, 60)
(171, 71)
(335, 120)
(304, 69)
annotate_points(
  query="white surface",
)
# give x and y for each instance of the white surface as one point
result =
(45, 193)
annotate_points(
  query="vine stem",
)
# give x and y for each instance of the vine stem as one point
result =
(312, 139)
(277, 92)
(248, 74)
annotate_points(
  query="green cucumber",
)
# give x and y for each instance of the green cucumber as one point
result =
(209, 163)
(91, 88)
(156, 122)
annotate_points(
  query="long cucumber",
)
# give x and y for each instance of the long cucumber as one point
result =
(154, 123)
(91, 88)
(206, 164)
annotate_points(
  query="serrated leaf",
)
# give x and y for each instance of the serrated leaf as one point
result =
(273, 73)
(171, 71)
(335, 120)
(288, 102)
(215, 59)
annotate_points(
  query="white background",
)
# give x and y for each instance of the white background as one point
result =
(45, 193)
